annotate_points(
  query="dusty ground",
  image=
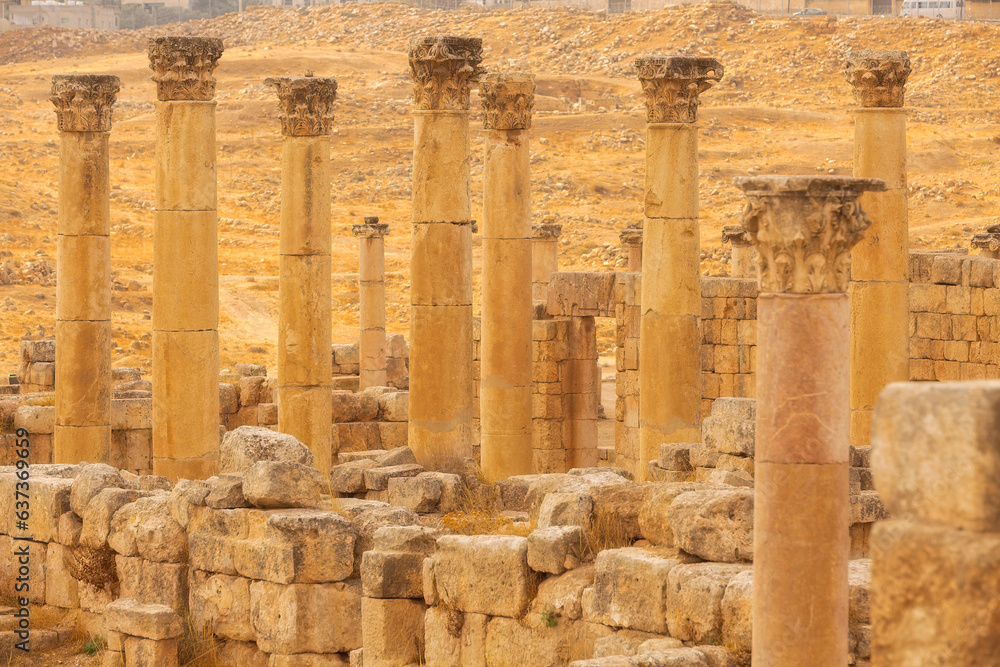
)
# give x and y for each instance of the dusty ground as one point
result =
(782, 107)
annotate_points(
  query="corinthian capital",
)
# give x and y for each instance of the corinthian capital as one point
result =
(183, 66)
(672, 84)
(804, 228)
(83, 101)
(443, 68)
(508, 98)
(878, 78)
(305, 104)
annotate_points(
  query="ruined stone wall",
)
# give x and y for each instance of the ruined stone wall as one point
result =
(954, 302)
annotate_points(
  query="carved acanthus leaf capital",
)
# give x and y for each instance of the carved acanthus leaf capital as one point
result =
(989, 240)
(631, 236)
(371, 228)
(546, 231)
(804, 228)
(84, 101)
(672, 85)
(878, 78)
(736, 235)
(443, 69)
(305, 103)
(508, 99)
(183, 66)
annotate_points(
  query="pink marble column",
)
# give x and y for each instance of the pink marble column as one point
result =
(803, 228)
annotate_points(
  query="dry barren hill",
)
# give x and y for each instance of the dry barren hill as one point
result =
(783, 107)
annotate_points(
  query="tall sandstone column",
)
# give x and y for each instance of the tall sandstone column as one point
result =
(803, 228)
(631, 238)
(880, 341)
(371, 299)
(544, 258)
(185, 259)
(305, 364)
(669, 342)
(83, 294)
(505, 388)
(441, 377)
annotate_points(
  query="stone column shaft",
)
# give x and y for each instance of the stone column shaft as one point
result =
(631, 238)
(83, 294)
(371, 311)
(506, 376)
(803, 228)
(880, 341)
(185, 260)
(743, 263)
(544, 258)
(305, 363)
(669, 342)
(441, 378)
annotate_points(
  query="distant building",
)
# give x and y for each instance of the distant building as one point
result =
(70, 14)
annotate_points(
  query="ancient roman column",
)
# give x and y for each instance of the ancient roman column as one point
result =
(988, 242)
(880, 341)
(185, 259)
(371, 299)
(441, 377)
(505, 347)
(544, 258)
(743, 263)
(631, 238)
(83, 293)
(669, 341)
(803, 228)
(305, 364)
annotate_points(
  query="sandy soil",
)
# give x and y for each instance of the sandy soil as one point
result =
(783, 107)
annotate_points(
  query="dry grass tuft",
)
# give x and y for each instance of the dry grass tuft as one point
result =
(605, 530)
(198, 647)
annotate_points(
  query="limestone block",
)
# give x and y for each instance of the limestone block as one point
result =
(420, 494)
(60, 587)
(934, 595)
(737, 612)
(36, 419)
(563, 595)
(630, 588)
(729, 436)
(555, 549)
(566, 509)
(149, 621)
(393, 631)
(694, 600)
(140, 651)
(392, 574)
(530, 643)
(49, 498)
(653, 519)
(226, 492)
(715, 525)
(306, 618)
(618, 506)
(221, 604)
(396, 457)
(913, 426)
(247, 445)
(442, 636)
(392, 434)
(369, 520)
(859, 581)
(185, 137)
(272, 484)
(297, 545)
(486, 574)
(441, 168)
(308, 660)
(377, 478)
(146, 527)
(100, 510)
(675, 457)
(153, 583)
(395, 406)
(407, 539)
(350, 477)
